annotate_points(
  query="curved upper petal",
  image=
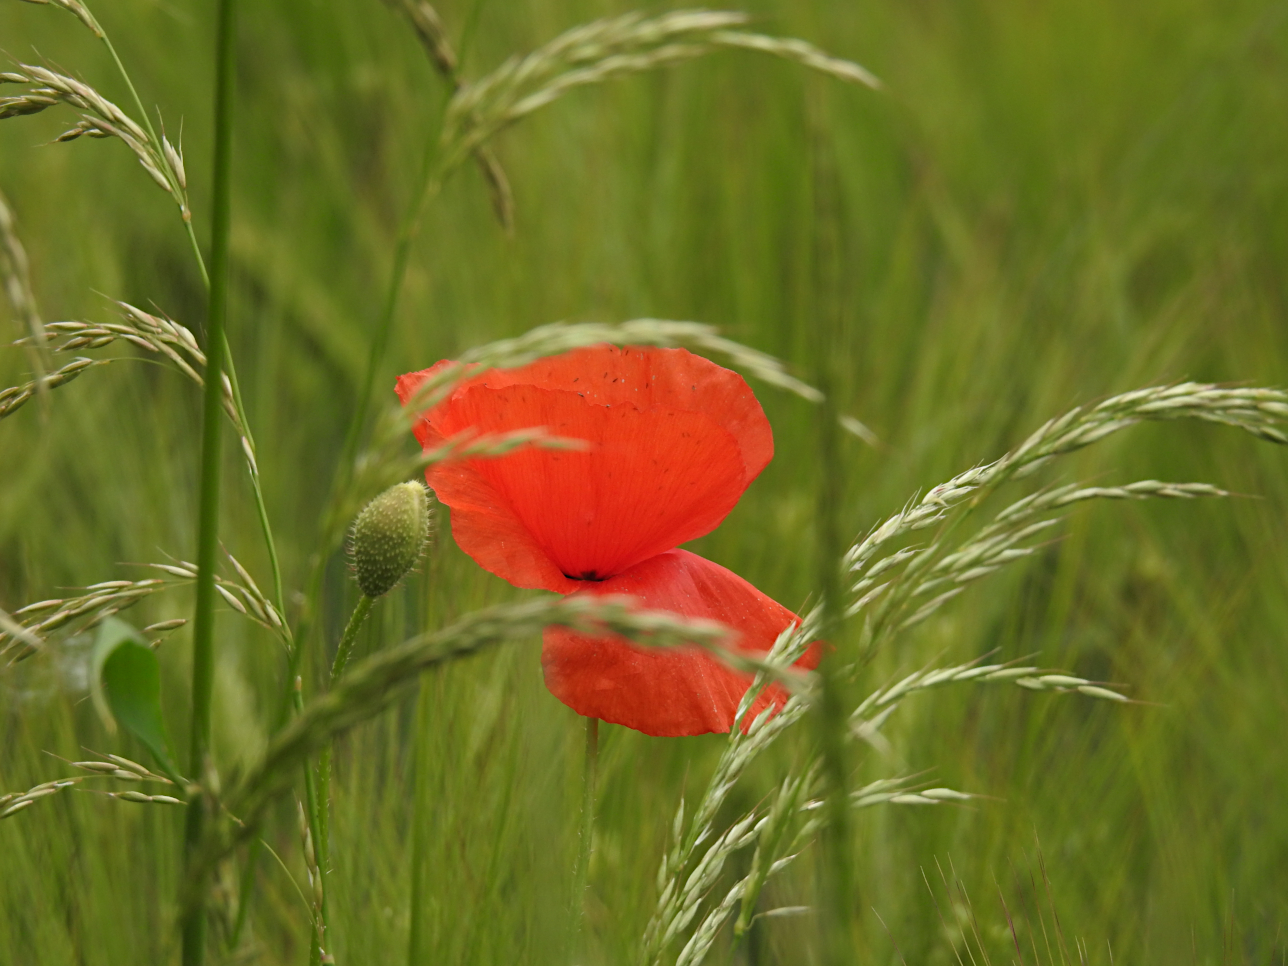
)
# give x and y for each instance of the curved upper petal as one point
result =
(673, 441)
(668, 692)
(648, 377)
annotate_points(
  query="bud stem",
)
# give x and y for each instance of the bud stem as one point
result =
(356, 621)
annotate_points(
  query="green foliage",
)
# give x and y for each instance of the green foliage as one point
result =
(1050, 203)
(125, 683)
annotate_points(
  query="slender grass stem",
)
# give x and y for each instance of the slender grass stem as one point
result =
(429, 188)
(581, 880)
(420, 835)
(321, 808)
(196, 252)
(423, 814)
(244, 890)
(261, 509)
(312, 804)
(146, 117)
(429, 184)
(203, 665)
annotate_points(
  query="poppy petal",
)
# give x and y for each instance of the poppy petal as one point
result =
(486, 527)
(643, 376)
(648, 377)
(648, 481)
(668, 692)
(406, 387)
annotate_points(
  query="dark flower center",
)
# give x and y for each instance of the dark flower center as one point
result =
(586, 575)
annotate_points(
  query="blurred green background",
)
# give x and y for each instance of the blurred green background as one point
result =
(1050, 202)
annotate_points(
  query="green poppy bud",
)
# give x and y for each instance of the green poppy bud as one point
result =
(389, 536)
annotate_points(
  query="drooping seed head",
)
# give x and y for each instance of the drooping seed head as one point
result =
(389, 536)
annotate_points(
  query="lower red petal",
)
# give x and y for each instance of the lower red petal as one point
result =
(668, 692)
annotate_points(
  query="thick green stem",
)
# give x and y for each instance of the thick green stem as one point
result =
(581, 880)
(839, 899)
(203, 664)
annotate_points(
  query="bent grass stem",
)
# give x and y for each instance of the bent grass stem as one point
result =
(229, 368)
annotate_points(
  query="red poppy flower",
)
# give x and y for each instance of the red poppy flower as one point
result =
(674, 440)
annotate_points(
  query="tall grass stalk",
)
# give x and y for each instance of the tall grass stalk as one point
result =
(422, 817)
(322, 812)
(203, 653)
(585, 842)
(837, 920)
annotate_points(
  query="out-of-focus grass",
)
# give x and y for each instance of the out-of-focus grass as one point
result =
(1051, 202)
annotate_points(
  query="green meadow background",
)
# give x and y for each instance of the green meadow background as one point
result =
(1050, 202)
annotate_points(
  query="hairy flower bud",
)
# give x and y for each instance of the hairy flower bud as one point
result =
(388, 537)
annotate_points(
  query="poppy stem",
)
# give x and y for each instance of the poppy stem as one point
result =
(358, 618)
(581, 880)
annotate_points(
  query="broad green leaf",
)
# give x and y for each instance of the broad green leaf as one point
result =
(126, 687)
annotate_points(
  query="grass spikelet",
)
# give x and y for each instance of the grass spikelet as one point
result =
(99, 117)
(153, 334)
(561, 337)
(429, 30)
(77, 10)
(118, 769)
(75, 615)
(15, 273)
(604, 50)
